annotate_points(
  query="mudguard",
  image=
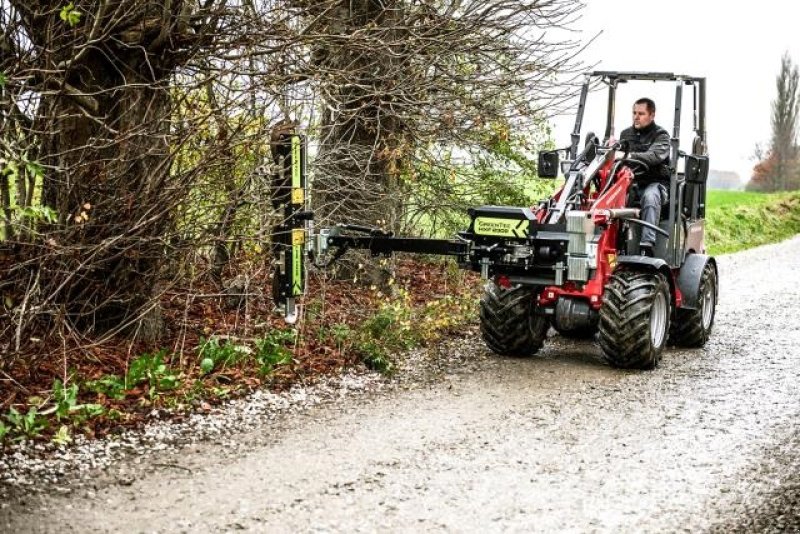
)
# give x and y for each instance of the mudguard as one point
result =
(689, 278)
(656, 264)
(650, 264)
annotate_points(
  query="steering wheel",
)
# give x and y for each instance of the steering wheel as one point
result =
(636, 166)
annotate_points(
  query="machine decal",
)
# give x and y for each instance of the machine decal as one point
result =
(501, 227)
(297, 270)
(298, 195)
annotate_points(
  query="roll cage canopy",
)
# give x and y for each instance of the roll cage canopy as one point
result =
(613, 78)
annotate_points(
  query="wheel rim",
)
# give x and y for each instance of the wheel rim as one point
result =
(709, 301)
(658, 319)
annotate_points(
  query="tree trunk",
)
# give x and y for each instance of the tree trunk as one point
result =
(105, 148)
(354, 179)
(108, 183)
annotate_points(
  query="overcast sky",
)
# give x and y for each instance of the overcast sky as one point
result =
(738, 50)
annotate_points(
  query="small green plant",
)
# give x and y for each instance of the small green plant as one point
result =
(391, 325)
(111, 386)
(151, 368)
(4, 430)
(215, 354)
(273, 350)
(340, 333)
(380, 324)
(3, 80)
(63, 436)
(65, 404)
(375, 357)
(221, 392)
(28, 425)
(66, 399)
(70, 15)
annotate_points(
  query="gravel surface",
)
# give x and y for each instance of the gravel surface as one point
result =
(462, 440)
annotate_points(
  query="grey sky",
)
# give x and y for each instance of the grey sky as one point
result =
(736, 45)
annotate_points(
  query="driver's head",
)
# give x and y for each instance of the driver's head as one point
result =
(644, 113)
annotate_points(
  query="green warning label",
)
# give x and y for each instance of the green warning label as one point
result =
(297, 191)
(297, 270)
(501, 227)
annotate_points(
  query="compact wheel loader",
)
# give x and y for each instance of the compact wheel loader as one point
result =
(572, 261)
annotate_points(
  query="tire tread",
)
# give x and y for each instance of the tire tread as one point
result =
(508, 325)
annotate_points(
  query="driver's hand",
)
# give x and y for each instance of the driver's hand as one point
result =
(619, 154)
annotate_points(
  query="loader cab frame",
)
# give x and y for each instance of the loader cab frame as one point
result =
(687, 189)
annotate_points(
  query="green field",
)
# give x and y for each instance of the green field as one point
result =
(737, 220)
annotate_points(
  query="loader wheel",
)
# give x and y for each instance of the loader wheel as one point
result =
(692, 328)
(634, 319)
(508, 323)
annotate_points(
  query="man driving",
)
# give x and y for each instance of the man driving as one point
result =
(649, 143)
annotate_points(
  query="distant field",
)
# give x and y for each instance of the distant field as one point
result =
(718, 199)
(737, 220)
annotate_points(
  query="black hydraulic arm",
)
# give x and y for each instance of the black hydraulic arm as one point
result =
(388, 244)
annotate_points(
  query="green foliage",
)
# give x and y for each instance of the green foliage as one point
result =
(62, 436)
(340, 333)
(388, 330)
(270, 351)
(739, 220)
(503, 171)
(206, 365)
(246, 148)
(65, 407)
(3, 80)
(392, 323)
(215, 354)
(151, 368)
(66, 399)
(36, 213)
(70, 15)
(110, 385)
(23, 170)
(28, 425)
(273, 350)
(400, 325)
(375, 357)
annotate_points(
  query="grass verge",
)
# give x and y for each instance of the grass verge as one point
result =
(736, 220)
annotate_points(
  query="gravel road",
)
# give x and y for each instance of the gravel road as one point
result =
(559, 442)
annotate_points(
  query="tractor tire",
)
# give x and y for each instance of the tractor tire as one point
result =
(692, 328)
(509, 325)
(634, 319)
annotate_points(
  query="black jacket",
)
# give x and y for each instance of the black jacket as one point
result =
(650, 145)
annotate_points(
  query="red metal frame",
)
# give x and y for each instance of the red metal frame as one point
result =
(597, 204)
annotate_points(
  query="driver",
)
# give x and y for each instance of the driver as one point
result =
(648, 143)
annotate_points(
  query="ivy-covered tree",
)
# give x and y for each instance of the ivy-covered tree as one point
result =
(86, 111)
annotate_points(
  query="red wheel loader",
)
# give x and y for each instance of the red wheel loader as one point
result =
(572, 261)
